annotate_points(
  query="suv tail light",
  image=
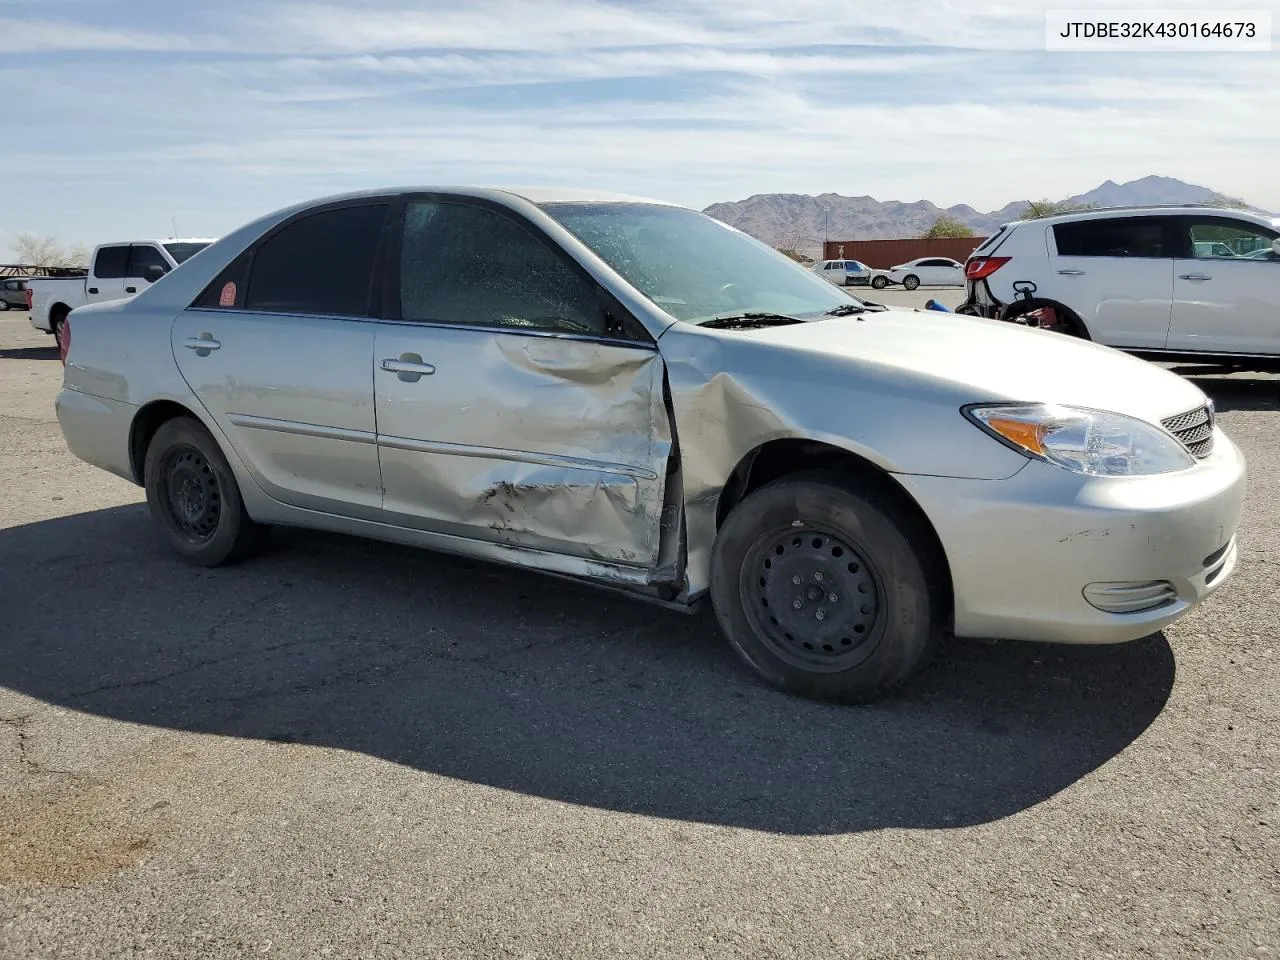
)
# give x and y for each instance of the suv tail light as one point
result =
(64, 342)
(979, 268)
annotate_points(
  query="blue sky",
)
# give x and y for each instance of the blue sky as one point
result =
(122, 117)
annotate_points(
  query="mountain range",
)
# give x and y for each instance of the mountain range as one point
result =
(801, 222)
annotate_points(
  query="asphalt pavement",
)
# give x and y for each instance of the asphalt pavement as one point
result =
(348, 749)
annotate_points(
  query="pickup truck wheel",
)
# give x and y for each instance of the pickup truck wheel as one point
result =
(58, 323)
(911, 281)
(823, 592)
(193, 497)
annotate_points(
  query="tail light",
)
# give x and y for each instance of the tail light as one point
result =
(979, 268)
(64, 342)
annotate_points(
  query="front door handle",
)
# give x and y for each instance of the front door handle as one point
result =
(1072, 273)
(203, 345)
(1194, 277)
(130, 289)
(92, 290)
(408, 367)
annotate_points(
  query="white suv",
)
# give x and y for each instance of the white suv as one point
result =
(1167, 283)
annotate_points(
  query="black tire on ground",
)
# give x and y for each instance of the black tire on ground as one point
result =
(56, 323)
(879, 282)
(1066, 322)
(193, 497)
(808, 545)
(4, 305)
(911, 281)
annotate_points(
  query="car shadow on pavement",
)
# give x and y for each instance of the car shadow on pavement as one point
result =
(1235, 392)
(513, 680)
(30, 353)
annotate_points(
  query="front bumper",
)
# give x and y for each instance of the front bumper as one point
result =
(1023, 552)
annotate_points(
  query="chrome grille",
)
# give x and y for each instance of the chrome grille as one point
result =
(1194, 430)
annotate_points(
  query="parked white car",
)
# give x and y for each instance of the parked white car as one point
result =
(924, 271)
(1166, 283)
(843, 273)
(117, 270)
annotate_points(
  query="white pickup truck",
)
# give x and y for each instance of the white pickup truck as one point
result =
(117, 270)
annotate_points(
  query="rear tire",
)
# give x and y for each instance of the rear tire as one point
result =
(193, 497)
(4, 306)
(911, 281)
(58, 323)
(824, 591)
(879, 282)
(1064, 320)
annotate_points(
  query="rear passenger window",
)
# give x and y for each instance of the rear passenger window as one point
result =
(111, 263)
(320, 264)
(1119, 237)
(466, 264)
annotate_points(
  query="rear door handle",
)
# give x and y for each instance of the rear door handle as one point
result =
(130, 289)
(203, 345)
(92, 290)
(1072, 273)
(408, 367)
(1194, 277)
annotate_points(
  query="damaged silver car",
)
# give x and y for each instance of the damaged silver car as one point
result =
(633, 394)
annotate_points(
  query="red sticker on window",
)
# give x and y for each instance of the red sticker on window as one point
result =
(228, 296)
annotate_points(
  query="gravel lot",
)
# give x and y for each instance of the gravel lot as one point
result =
(347, 749)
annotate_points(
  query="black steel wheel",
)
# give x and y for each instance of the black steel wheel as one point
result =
(812, 598)
(191, 500)
(827, 591)
(193, 496)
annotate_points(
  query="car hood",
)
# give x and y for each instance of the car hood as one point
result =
(991, 360)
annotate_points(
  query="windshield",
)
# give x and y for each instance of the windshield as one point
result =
(182, 252)
(693, 267)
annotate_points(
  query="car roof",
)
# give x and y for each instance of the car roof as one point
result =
(125, 243)
(1153, 210)
(536, 195)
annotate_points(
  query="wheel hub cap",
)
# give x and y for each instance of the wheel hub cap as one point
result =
(193, 501)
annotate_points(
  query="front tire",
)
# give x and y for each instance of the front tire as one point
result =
(193, 497)
(879, 282)
(824, 591)
(911, 281)
(4, 306)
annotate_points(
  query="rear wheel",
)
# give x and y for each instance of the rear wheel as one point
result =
(194, 499)
(911, 281)
(823, 591)
(1046, 315)
(58, 325)
(4, 305)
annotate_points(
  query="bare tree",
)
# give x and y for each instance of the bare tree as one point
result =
(1038, 209)
(47, 251)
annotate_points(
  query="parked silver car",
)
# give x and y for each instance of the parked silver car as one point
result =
(633, 394)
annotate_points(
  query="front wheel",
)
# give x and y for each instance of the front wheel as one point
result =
(911, 281)
(823, 591)
(879, 282)
(194, 499)
(4, 305)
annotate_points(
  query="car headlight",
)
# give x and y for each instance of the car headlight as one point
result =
(1091, 442)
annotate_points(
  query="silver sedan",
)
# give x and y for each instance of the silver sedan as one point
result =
(632, 394)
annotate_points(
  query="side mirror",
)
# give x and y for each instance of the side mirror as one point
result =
(153, 273)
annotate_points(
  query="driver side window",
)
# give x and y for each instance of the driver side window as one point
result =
(1229, 240)
(467, 264)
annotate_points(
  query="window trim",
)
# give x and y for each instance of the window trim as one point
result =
(634, 332)
(249, 254)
